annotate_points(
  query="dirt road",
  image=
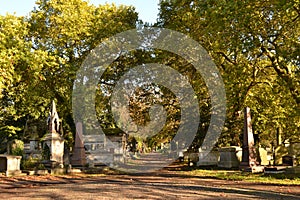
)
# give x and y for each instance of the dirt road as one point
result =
(167, 185)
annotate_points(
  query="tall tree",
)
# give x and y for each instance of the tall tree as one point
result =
(69, 30)
(41, 54)
(20, 73)
(255, 44)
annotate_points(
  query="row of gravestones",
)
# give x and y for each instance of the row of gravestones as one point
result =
(249, 157)
(52, 154)
(231, 157)
(53, 150)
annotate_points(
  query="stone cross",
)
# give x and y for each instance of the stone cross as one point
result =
(249, 157)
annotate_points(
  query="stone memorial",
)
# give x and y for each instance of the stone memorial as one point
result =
(10, 164)
(263, 156)
(33, 148)
(249, 154)
(98, 152)
(288, 160)
(53, 142)
(78, 157)
(279, 152)
(208, 158)
(230, 157)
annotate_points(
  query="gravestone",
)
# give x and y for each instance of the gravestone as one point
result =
(263, 156)
(288, 160)
(279, 152)
(208, 158)
(10, 164)
(34, 140)
(249, 154)
(78, 157)
(53, 142)
(230, 157)
(97, 150)
(294, 150)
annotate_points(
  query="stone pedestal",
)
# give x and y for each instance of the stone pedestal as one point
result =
(55, 143)
(10, 164)
(230, 157)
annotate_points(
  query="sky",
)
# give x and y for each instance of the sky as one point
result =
(147, 9)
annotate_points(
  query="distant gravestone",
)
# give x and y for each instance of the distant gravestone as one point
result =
(230, 157)
(263, 155)
(280, 151)
(249, 155)
(78, 157)
(208, 158)
(288, 160)
(34, 140)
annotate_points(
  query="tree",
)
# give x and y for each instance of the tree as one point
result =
(255, 44)
(41, 54)
(19, 75)
(69, 30)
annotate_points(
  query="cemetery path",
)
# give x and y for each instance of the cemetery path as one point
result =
(160, 185)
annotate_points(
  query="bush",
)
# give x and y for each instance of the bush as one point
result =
(17, 148)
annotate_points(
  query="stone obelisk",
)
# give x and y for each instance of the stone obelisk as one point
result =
(78, 157)
(249, 156)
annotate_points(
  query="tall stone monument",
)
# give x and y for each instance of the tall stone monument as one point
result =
(249, 155)
(78, 157)
(53, 142)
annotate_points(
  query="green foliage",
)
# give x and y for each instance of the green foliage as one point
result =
(19, 75)
(255, 44)
(17, 148)
(41, 54)
(32, 164)
(278, 179)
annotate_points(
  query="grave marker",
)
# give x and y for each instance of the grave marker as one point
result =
(78, 157)
(53, 142)
(249, 155)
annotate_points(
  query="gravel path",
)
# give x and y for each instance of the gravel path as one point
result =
(167, 185)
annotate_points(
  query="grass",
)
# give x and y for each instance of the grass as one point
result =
(278, 179)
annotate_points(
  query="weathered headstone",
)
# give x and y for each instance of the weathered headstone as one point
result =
(33, 149)
(78, 157)
(97, 150)
(208, 158)
(263, 155)
(34, 139)
(230, 157)
(249, 155)
(53, 142)
(279, 152)
(288, 160)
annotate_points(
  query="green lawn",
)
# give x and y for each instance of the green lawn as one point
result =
(281, 179)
